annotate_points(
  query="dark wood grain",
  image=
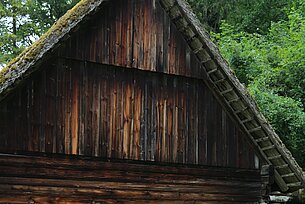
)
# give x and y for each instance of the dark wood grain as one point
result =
(44, 178)
(100, 110)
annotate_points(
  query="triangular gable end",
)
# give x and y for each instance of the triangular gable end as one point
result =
(288, 174)
(103, 58)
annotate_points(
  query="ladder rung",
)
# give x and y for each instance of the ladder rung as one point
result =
(241, 110)
(287, 175)
(297, 184)
(247, 120)
(176, 18)
(255, 129)
(212, 71)
(282, 166)
(262, 139)
(275, 157)
(197, 50)
(268, 148)
(219, 81)
(226, 91)
(234, 100)
(205, 61)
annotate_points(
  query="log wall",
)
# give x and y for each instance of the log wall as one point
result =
(84, 108)
(58, 179)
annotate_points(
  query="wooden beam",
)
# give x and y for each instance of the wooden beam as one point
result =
(280, 182)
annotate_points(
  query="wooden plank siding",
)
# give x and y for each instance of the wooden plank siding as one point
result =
(84, 108)
(61, 179)
(133, 34)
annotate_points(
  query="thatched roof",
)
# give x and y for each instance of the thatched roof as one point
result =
(288, 175)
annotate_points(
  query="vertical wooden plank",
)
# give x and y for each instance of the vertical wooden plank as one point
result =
(4, 122)
(121, 116)
(164, 120)
(232, 144)
(113, 119)
(111, 109)
(131, 147)
(147, 29)
(92, 41)
(143, 116)
(97, 114)
(112, 34)
(210, 125)
(124, 33)
(172, 50)
(39, 135)
(99, 37)
(188, 63)
(89, 112)
(100, 115)
(137, 34)
(159, 38)
(196, 121)
(127, 119)
(130, 33)
(106, 39)
(202, 114)
(82, 108)
(169, 118)
(158, 116)
(176, 113)
(34, 130)
(104, 116)
(23, 120)
(60, 108)
(154, 121)
(137, 121)
(191, 122)
(153, 40)
(166, 43)
(148, 119)
(219, 139)
(182, 123)
(159, 123)
(75, 111)
(68, 92)
(48, 111)
(179, 45)
(118, 33)
(13, 139)
(223, 140)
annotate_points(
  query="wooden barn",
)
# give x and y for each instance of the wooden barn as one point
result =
(129, 101)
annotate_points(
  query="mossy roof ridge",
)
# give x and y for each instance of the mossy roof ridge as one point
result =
(20, 65)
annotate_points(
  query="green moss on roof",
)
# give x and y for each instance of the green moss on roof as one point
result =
(49, 39)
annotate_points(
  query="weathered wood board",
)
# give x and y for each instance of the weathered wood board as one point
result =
(62, 179)
(84, 108)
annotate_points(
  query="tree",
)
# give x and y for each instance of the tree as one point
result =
(23, 21)
(272, 65)
(250, 16)
(13, 21)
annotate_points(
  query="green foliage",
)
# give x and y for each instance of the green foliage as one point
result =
(249, 16)
(272, 65)
(286, 116)
(23, 21)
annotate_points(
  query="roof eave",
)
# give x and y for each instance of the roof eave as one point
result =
(236, 96)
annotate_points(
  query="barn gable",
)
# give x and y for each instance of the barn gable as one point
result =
(142, 45)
